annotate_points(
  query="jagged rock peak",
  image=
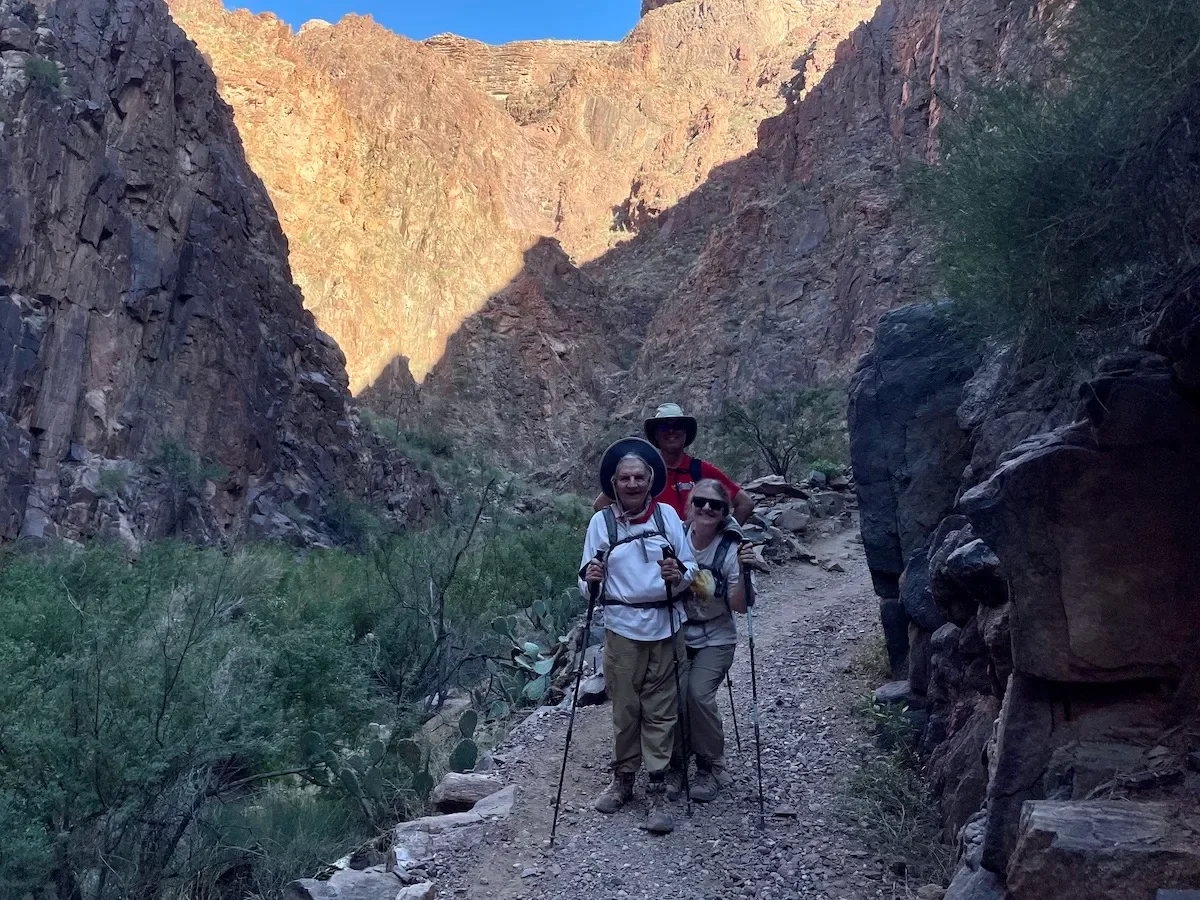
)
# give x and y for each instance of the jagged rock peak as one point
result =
(649, 5)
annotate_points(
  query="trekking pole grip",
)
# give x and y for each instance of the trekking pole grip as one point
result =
(594, 589)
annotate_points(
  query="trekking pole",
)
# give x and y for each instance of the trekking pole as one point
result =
(593, 596)
(762, 818)
(733, 711)
(668, 553)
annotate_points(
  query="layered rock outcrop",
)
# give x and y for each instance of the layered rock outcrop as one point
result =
(158, 373)
(773, 272)
(1052, 626)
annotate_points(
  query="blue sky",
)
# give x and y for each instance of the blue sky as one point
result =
(493, 21)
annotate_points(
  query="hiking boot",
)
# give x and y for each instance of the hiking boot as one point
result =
(724, 779)
(674, 781)
(658, 817)
(617, 794)
(704, 786)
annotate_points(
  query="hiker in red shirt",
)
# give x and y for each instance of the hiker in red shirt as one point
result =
(672, 432)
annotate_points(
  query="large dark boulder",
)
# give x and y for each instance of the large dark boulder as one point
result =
(894, 620)
(953, 600)
(906, 446)
(917, 595)
(1094, 525)
(1101, 850)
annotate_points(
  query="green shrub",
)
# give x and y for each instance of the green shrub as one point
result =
(208, 724)
(870, 659)
(888, 795)
(135, 698)
(381, 425)
(187, 472)
(1060, 208)
(827, 467)
(43, 74)
(113, 480)
(783, 430)
(352, 522)
(271, 840)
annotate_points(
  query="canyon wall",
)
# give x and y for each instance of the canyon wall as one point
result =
(774, 271)
(727, 181)
(158, 373)
(1028, 530)
(413, 179)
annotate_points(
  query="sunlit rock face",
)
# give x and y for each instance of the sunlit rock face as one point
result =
(726, 180)
(411, 177)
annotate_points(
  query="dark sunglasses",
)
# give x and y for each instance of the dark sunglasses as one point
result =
(715, 505)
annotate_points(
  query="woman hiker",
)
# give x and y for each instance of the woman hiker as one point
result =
(640, 585)
(711, 636)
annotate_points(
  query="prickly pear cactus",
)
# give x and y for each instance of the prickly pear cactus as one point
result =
(464, 756)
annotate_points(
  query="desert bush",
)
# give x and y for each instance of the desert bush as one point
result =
(1062, 207)
(783, 431)
(135, 697)
(43, 74)
(186, 471)
(887, 795)
(113, 480)
(163, 718)
(827, 467)
(351, 522)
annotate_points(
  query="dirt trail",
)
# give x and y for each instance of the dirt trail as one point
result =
(808, 623)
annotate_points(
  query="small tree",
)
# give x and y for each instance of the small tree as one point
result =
(785, 428)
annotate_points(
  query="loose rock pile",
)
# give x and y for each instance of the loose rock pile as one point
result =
(788, 516)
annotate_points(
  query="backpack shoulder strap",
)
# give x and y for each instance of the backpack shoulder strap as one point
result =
(658, 520)
(731, 536)
(610, 523)
(695, 469)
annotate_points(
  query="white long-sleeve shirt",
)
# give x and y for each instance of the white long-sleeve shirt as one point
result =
(632, 574)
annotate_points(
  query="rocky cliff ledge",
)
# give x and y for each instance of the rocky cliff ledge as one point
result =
(1030, 534)
(158, 373)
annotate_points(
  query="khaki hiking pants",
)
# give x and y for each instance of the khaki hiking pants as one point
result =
(701, 680)
(640, 678)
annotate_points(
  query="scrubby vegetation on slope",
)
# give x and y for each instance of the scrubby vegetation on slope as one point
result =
(209, 723)
(1064, 207)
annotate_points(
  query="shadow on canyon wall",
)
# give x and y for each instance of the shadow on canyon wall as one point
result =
(771, 274)
(148, 318)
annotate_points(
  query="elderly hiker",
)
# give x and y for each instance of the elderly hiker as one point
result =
(643, 618)
(672, 433)
(710, 634)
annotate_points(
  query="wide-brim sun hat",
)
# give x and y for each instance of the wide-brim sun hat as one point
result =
(670, 413)
(636, 446)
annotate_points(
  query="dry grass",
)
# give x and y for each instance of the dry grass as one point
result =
(889, 799)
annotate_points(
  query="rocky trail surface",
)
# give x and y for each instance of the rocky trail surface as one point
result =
(809, 622)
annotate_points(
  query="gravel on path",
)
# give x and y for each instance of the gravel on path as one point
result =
(808, 624)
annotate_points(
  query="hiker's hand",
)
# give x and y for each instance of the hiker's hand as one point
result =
(672, 574)
(594, 574)
(746, 554)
